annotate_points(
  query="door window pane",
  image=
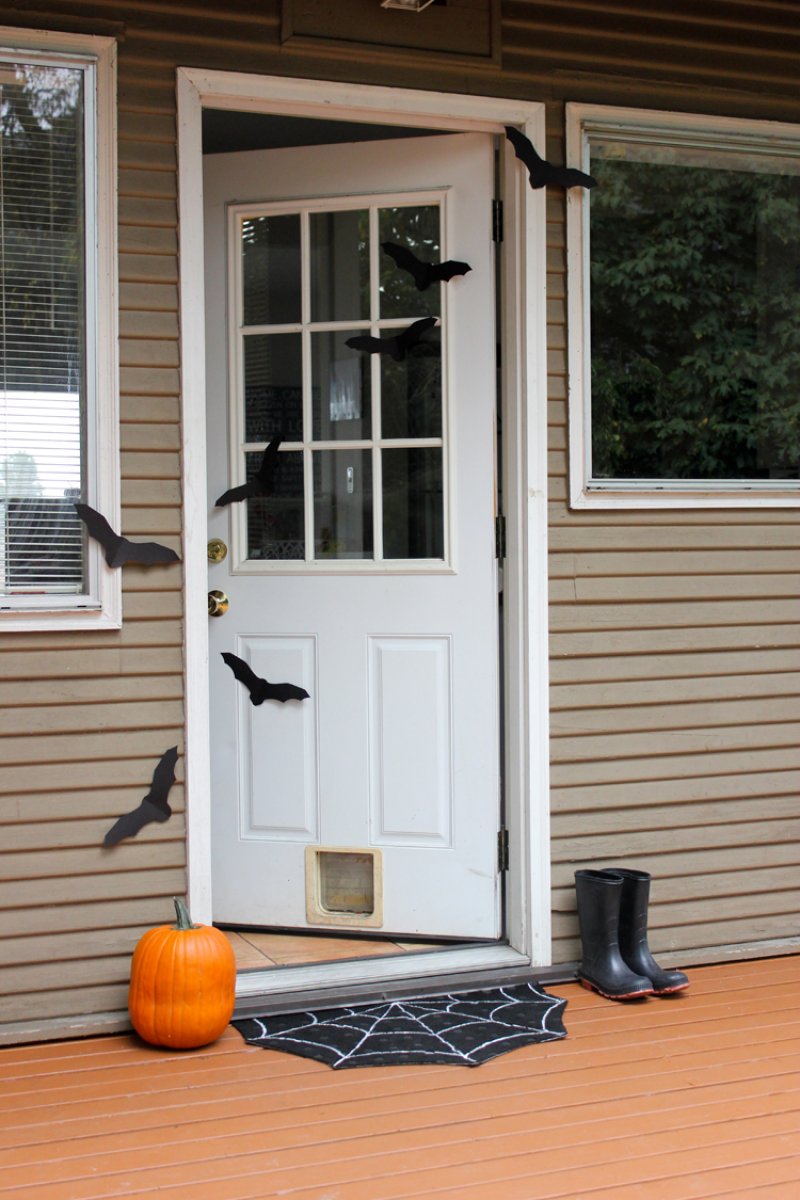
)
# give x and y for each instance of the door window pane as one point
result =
(413, 525)
(343, 504)
(271, 269)
(411, 391)
(415, 228)
(275, 524)
(339, 265)
(273, 387)
(340, 388)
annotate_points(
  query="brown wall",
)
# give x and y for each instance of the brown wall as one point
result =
(675, 637)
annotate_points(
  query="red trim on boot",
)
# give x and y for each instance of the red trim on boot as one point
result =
(592, 987)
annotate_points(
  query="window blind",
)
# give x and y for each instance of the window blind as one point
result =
(42, 329)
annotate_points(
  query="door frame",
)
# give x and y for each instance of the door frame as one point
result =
(524, 414)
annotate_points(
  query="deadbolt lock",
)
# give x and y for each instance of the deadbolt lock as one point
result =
(218, 603)
(217, 550)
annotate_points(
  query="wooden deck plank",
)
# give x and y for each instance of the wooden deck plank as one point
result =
(168, 1153)
(695, 1096)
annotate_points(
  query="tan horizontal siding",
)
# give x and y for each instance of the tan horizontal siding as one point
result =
(674, 636)
(84, 718)
(675, 699)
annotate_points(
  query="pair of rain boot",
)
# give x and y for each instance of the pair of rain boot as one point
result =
(612, 912)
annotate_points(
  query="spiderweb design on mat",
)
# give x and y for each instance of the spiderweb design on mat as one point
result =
(467, 1028)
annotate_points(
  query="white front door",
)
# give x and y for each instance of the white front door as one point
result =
(367, 576)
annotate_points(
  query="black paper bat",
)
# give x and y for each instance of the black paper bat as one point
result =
(154, 807)
(261, 689)
(396, 346)
(118, 549)
(540, 171)
(262, 482)
(424, 273)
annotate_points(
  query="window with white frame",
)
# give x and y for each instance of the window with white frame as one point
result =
(684, 292)
(58, 410)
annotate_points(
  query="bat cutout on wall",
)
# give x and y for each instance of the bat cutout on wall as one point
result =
(424, 273)
(154, 807)
(261, 484)
(399, 345)
(540, 171)
(261, 689)
(118, 549)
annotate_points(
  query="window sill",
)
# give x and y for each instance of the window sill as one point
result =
(57, 620)
(649, 494)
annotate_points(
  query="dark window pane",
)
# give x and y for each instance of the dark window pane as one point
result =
(339, 266)
(415, 228)
(275, 524)
(411, 390)
(340, 388)
(343, 504)
(273, 387)
(413, 510)
(271, 270)
(695, 317)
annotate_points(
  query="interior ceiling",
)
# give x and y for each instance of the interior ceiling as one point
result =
(224, 131)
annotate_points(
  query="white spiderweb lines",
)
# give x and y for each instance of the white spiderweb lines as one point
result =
(468, 1029)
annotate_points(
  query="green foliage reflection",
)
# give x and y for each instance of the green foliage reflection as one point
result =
(695, 317)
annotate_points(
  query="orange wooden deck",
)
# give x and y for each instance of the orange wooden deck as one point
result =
(693, 1096)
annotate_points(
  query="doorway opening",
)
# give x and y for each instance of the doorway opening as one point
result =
(385, 115)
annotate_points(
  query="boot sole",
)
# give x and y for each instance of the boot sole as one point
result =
(592, 987)
(681, 987)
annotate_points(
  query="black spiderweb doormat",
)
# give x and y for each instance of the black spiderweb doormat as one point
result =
(467, 1028)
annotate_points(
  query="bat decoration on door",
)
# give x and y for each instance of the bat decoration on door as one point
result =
(154, 807)
(399, 345)
(261, 689)
(424, 273)
(261, 484)
(540, 171)
(118, 549)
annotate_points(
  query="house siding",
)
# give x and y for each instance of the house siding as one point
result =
(675, 646)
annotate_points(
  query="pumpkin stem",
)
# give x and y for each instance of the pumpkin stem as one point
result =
(184, 921)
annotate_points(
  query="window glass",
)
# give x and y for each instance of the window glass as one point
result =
(42, 329)
(695, 313)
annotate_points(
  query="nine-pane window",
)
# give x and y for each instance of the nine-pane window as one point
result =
(360, 475)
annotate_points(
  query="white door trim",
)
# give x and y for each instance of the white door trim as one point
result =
(525, 440)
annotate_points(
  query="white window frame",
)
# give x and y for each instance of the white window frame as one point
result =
(653, 128)
(100, 607)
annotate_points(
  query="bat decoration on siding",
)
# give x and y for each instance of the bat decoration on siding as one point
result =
(424, 273)
(261, 689)
(262, 483)
(399, 345)
(540, 171)
(118, 549)
(154, 807)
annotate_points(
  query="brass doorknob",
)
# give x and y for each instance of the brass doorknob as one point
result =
(217, 603)
(216, 550)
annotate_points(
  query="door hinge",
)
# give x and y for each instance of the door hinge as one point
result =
(502, 849)
(497, 220)
(500, 536)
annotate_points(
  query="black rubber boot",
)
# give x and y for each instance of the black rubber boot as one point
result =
(602, 967)
(633, 932)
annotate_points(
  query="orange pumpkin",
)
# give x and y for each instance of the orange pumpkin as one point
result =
(183, 980)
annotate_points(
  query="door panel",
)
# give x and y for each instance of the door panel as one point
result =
(368, 575)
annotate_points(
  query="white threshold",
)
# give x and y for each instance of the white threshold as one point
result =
(349, 975)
